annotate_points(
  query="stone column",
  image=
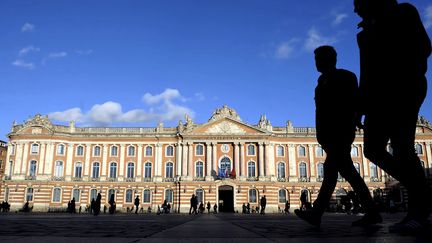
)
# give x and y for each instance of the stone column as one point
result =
(69, 162)
(242, 160)
(261, 159)
(271, 162)
(139, 162)
(428, 161)
(87, 159)
(237, 158)
(7, 168)
(214, 159)
(18, 158)
(42, 159)
(191, 162)
(312, 162)
(179, 158)
(159, 162)
(25, 161)
(185, 159)
(104, 162)
(292, 161)
(266, 159)
(122, 162)
(208, 162)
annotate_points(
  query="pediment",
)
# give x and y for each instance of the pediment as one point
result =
(34, 130)
(226, 126)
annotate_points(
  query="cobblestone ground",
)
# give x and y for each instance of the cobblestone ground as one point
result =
(193, 228)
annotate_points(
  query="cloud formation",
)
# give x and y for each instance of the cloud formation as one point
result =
(315, 39)
(84, 52)
(27, 27)
(285, 49)
(428, 17)
(22, 64)
(160, 107)
(57, 54)
(24, 51)
(338, 18)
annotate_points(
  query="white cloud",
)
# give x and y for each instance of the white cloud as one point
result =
(22, 64)
(27, 27)
(428, 17)
(161, 107)
(199, 96)
(315, 39)
(338, 18)
(24, 51)
(285, 49)
(84, 52)
(57, 54)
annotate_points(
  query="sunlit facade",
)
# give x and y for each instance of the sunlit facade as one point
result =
(224, 161)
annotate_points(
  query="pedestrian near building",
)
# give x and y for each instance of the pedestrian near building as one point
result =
(263, 203)
(137, 203)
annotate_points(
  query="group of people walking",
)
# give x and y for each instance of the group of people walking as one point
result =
(394, 48)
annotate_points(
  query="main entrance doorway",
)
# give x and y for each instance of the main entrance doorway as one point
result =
(226, 199)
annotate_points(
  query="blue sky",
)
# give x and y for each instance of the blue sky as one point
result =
(135, 63)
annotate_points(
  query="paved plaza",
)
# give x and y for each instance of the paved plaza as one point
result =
(193, 228)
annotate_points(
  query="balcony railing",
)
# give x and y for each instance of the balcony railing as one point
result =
(94, 179)
(130, 179)
(147, 179)
(281, 179)
(77, 178)
(252, 178)
(8, 178)
(304, 179)
(112, 179)
(168, 179)
(57, 178)
(30, 178)
(319, 179)
(199, 179)
(375, 179)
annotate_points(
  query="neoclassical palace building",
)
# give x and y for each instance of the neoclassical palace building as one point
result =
(224, 161)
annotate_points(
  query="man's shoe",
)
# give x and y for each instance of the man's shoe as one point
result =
(309, 216)
(411, 226)
(367, 220)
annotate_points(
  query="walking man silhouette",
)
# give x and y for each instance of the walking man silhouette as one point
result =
(335, 101)
(394, 48)
(137, 202)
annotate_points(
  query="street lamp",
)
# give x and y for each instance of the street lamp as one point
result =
(177, 182)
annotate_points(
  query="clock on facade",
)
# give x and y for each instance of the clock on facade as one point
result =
(225, 148)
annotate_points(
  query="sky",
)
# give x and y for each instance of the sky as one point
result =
(135, 63)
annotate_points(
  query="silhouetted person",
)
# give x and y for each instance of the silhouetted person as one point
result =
(191, 203)
(92, 205)
(394, 48)
(215, 208)
(137, 202)
(97, 206)
(263, 203)
(244, 209)
(112, 204)
(303, 200)
(26, 207)
(208, 207)
(72, 205)
(287, 207)
(336, 119)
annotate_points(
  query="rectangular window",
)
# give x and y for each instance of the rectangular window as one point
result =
(76, 195)
(29, 196)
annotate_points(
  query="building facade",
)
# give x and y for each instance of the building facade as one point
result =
(224, 161)
(3, 157)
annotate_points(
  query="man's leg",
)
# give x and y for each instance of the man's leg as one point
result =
(329, 182)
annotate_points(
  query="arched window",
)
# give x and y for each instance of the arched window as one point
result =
(305, 194)
(146, 195)
(95, 173)
(147, 170)
(76, 194)
(97, 151)
(418, 148)
(169, 170)
(200, 195)
(130, 170)
(60, 149)
(56, 194)
(354, 151)
(250, 149)
(302, 169)
(319, 151)
(253, 196)
(280, 151)
(78, 169)
(251, 169)
(80, 151)
(33, 167)
(373, 170)
(131, 151)
(113, 170)
(114, 151)
(320, 170)
(225, 164)
(58, 169)
(357, 167)
(35, 148)
(169, 195)
(302, 151)
(199, 150)
(111, 192)
(281, 170)
(93, 194)
(282, 196)
(169, 150)
(148, 151)
(29, 194)
(199, 169)
(129, 194)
